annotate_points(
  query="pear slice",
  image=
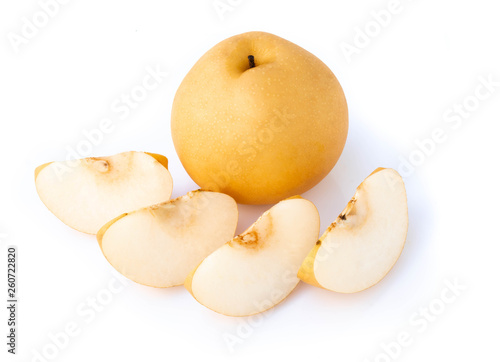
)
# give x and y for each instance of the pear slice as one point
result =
(159, 245)
(258, 269)
(87, 193)
(363, 244)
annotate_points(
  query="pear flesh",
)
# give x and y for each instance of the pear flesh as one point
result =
(363, 244)
(258, 269)
(87, 193)
(159, 245)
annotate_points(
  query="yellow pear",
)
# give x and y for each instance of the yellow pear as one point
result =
(259, 118)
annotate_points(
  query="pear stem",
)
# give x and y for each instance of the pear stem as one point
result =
(251, 61)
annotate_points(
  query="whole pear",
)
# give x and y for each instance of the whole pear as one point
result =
(259, 118)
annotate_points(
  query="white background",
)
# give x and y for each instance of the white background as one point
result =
(426, 59)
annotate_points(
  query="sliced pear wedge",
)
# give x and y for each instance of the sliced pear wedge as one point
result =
(87, 193)
(258, 269)
(159, 245)
(363, 244)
